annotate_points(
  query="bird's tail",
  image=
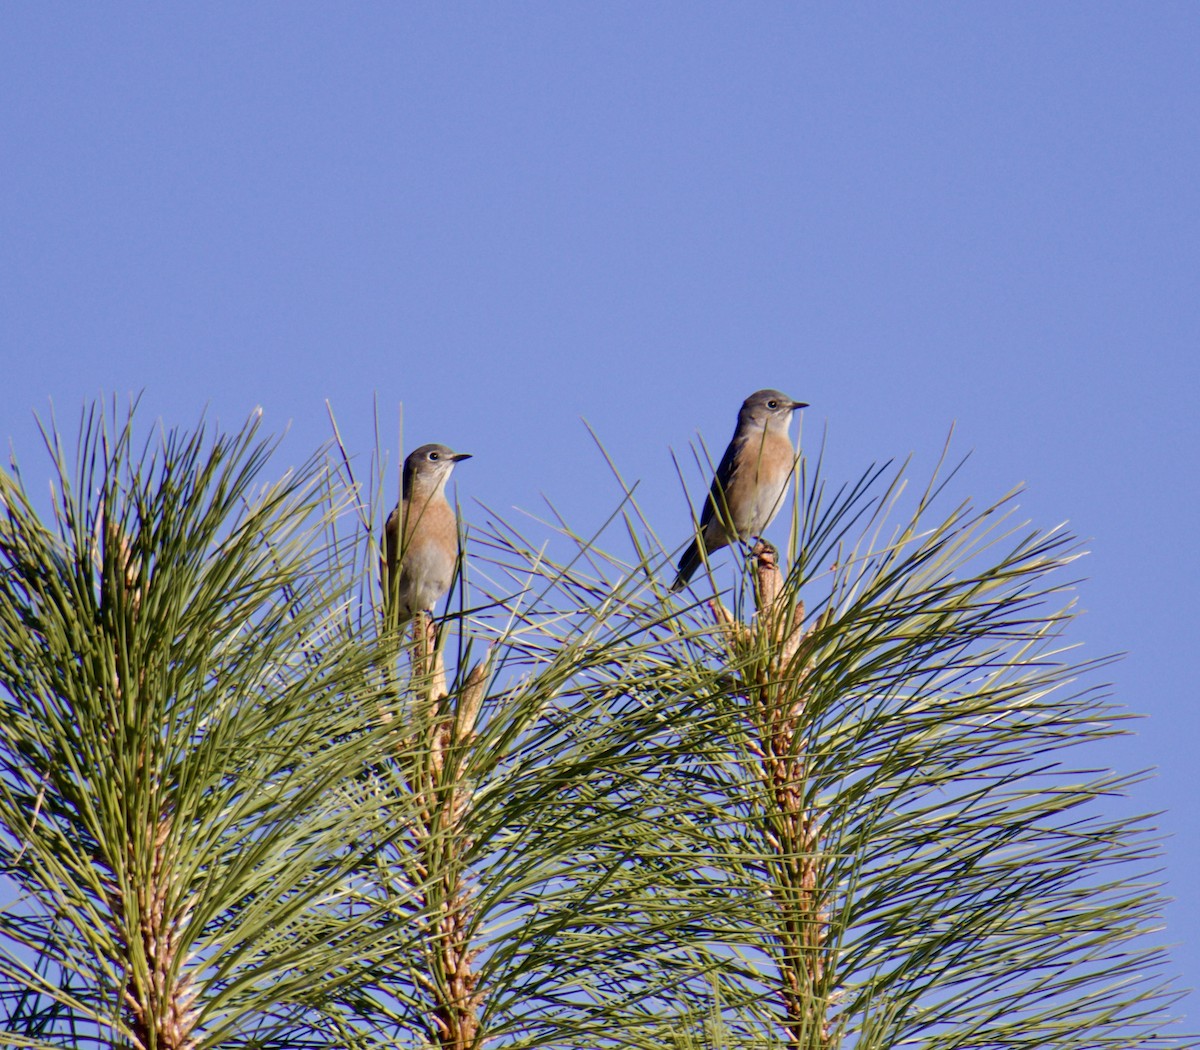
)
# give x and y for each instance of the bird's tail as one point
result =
(688, 564)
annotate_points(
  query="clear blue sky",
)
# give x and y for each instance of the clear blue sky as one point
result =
(508, 216)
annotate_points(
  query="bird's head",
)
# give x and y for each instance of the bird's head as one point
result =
(427, 469)
(769, 409)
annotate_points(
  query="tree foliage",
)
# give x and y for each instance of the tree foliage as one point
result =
(238, 809)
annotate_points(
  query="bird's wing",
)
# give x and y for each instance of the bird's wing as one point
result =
(717, 495)
(391, 541)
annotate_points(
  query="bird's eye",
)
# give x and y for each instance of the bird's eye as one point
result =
(772, 403)
(435, 455)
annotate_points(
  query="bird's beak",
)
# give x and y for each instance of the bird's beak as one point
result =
(460, 455)
(799, 404)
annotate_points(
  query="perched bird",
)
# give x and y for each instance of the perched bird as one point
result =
(750, 483)
(421, 534)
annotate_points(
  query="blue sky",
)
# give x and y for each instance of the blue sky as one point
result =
(506, 217)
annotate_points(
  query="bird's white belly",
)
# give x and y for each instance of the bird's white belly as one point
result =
(425, 576)
(762, 508)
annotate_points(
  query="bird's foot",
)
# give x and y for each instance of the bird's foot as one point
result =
(765, 558)
(764, 549)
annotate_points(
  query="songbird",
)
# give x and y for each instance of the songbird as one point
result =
(751, 481)
(421, 534)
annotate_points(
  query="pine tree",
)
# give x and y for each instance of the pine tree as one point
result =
(240, 810)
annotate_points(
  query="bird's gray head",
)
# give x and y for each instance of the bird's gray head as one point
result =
(429, 467)
(769, 409)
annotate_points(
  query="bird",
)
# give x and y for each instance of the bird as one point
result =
(421, 535)
(750, 482)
